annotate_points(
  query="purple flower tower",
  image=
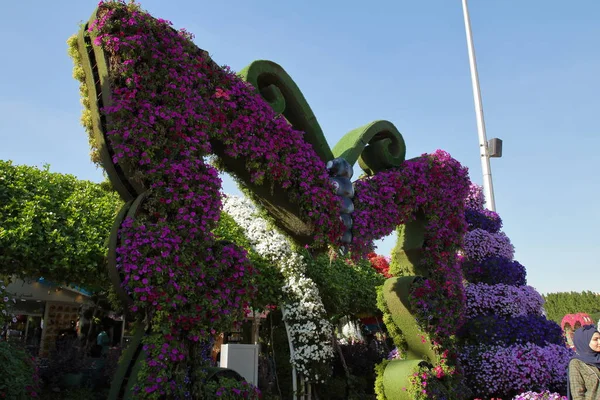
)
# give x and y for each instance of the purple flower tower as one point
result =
(507, 344)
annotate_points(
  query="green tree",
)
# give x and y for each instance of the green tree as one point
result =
(562, 303)
(54, 226)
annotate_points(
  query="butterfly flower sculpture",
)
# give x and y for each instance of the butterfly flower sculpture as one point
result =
(164, 119)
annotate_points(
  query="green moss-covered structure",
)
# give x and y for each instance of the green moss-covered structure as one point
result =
(408, 252)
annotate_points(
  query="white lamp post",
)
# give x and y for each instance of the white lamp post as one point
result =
(488, 187)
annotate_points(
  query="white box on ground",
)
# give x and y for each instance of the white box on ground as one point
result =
(243, 359)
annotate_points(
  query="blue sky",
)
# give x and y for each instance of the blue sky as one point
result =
(404, 61)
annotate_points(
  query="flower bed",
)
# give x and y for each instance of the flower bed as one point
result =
(545, 395)
(507, 345)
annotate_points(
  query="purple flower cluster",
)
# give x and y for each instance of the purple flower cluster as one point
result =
(435, 183)
(479, 244)
(238, 390)
(506, 331)
(494, 270)
(170, 106)
(483, 219)
(545, 395)
(170, 102)
(475, 199)
(494, 371)
(502, 300)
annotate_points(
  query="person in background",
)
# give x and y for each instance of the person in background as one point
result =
(583, 378)
(103, 340)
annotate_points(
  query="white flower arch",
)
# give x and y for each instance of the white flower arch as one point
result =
(309, 331)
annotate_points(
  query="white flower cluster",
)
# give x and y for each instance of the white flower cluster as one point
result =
(303, 311)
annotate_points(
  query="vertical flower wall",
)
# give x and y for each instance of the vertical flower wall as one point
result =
(156, 106)
(507, 344)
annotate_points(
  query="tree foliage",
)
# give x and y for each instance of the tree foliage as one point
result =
(562, 303)
(347, 288)
(53, 225)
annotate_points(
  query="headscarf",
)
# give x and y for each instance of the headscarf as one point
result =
(581, 339)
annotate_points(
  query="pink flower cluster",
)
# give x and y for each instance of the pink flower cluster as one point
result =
(435, 184)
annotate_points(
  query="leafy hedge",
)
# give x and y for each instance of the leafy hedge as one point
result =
(54, 225)
(560, 304)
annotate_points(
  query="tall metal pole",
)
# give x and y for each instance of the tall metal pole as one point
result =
(488, 188)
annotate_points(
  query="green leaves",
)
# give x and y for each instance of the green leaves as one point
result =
(53, 225)
(17, 378)
(346, 288)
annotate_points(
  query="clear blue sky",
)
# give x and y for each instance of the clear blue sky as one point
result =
(356, 61)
